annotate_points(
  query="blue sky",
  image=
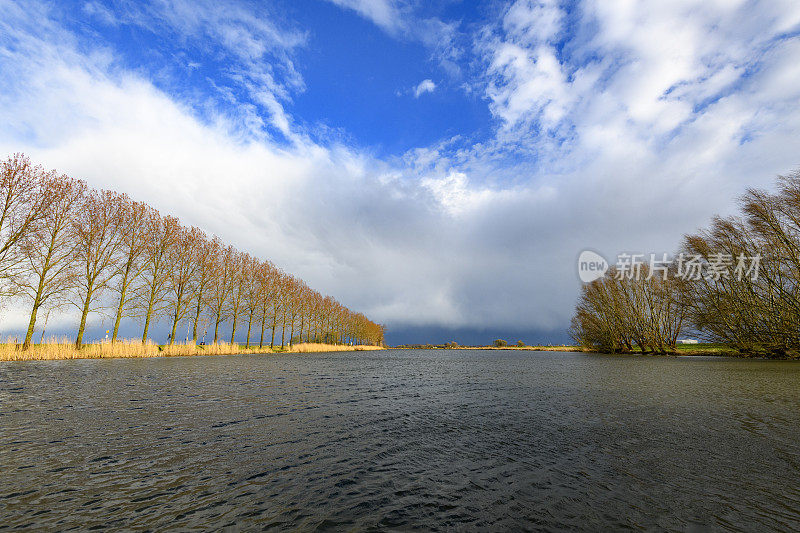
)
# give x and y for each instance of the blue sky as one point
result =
(438, 165)
(343, 79)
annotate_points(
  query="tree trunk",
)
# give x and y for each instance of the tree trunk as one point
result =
(196, 317)
(118, 319)
(302, 322)
(233, 329)
(37, 302)
(82, 326)
(44, 326)
(283, 330)
(249, 325)
(274, 323)
(149, 316)
(122, 293)
(174, 329)
(31, 324)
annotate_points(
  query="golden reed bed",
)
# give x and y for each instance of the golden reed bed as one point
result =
(65, 349)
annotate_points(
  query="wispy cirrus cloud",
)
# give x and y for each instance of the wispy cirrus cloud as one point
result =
(399, 19)
(387, 14)
(243, 45)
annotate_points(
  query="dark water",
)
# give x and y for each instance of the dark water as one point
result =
(455, 440)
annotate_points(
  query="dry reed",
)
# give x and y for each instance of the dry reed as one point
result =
(314, 347)
(64, 348)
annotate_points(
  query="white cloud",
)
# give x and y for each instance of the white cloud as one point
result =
(425, 86)
(384, 13)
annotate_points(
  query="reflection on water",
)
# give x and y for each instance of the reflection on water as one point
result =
(401, 439)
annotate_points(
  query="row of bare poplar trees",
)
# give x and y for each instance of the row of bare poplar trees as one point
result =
(64, 243)
(754, 313)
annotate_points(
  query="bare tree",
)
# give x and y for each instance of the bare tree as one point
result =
(267, 274)
(60, 241)
(753, 311)
(277, 297)
(135, 217)
(162, 236)
(618, 313)
(252, 302)
(238, 290)
(184, 262)
(98, 238)
(219, 290)
(207, 257)
(24, 193)
(48, 250)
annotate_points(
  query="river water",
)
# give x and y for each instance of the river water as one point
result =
(448, 440)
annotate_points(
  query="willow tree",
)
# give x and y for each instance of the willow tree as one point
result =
(98, 228)
(48, 251)
(135, 217)
(162, 236)
(617, 313)
(754, 303)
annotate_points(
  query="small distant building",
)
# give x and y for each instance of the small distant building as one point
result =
(687, 341)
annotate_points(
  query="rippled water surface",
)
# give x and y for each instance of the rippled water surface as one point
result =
(453, 440)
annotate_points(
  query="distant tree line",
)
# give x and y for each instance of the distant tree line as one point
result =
(751, 307)
(63, 243)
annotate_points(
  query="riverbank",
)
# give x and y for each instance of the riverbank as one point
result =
(700, 349)
(713, 350)
(126, 349)
(458, 347)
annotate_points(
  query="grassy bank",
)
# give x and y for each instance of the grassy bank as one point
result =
(711, 349)
(706, 349)
(65, 349)
(724, 350)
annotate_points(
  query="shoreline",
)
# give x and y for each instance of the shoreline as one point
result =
(523, 348)
(136, 350)
(684, 350)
